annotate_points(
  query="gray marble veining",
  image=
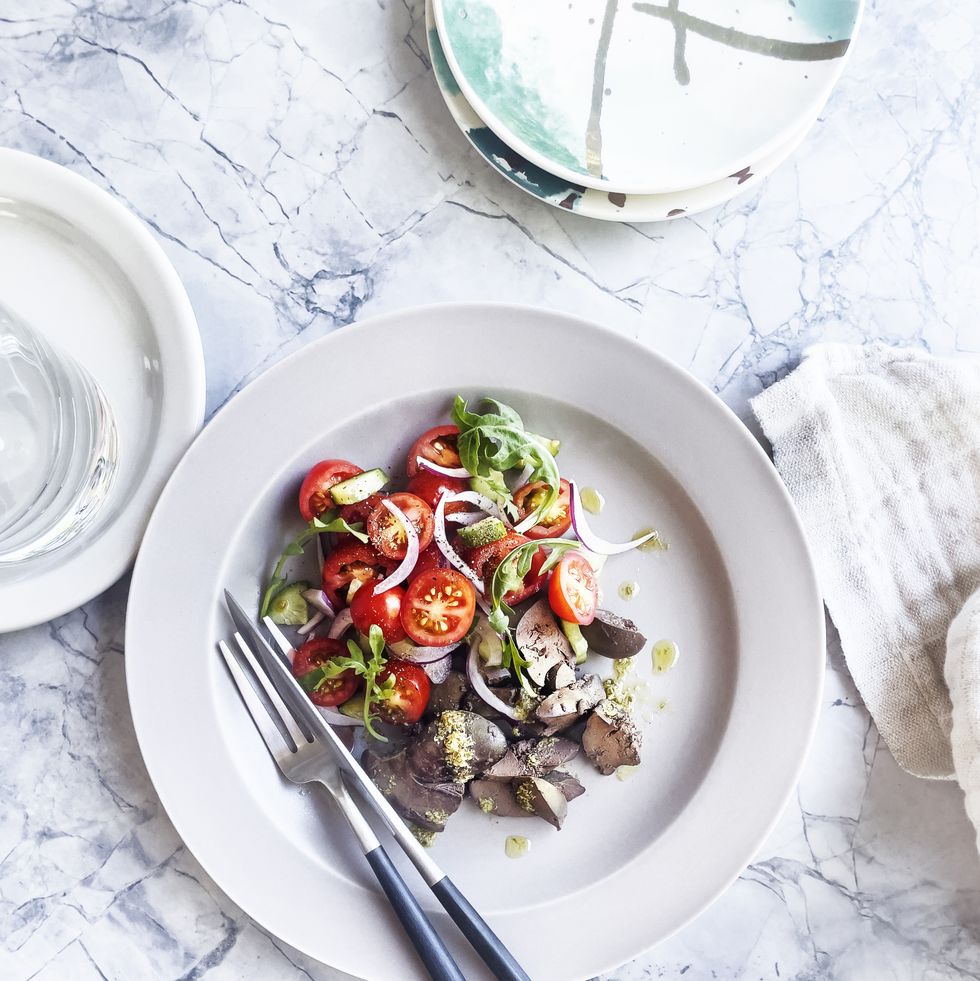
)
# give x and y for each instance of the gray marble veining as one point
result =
(297, 163)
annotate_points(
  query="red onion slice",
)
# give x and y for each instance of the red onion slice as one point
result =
(341, 625)
(466, 518)
(422, 655)
(442, 541)
(336, 718)
(318, 617)
(319, 600)
(460, 473)
(590, 539)
(483, 503)
(529, 522)
(438, 671)
(480, 686)
(525, 475)
(406, 565)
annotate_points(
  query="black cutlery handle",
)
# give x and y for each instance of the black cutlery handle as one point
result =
(477, 931)
(427, 943)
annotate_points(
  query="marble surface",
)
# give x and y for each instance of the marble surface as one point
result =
(297, 164)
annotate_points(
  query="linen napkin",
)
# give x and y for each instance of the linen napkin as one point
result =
(880, 450)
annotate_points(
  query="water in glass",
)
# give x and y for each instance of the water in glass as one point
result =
(58, 444)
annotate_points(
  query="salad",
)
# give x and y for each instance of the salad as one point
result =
(453, 618)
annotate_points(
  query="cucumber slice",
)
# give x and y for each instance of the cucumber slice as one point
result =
(288, 608)
(482, 533)
(359, 487)
(353, 708)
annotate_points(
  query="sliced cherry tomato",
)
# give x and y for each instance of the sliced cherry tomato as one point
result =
(358, 514)
(349, 562)
(386, 532)
(405, 705)
(556, 520)
(431, 486)
(573, 592)
(332, 691)
(383, 609)
(313, 496)
(437, 445)
(485, 559)
(430, 559)
(438, 608)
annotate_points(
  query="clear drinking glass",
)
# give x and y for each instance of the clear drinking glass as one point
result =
(58, 444)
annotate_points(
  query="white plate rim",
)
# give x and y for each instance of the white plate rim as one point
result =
(98, 215)
(168, 770)
(767, 148)
(637, 208)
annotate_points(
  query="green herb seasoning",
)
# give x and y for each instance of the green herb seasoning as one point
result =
(629, 590)
(665, 654)
(424, 837)
(516, 846)
(592, 500)
(655, 544)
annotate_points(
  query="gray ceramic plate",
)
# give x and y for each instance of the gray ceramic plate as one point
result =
(727, 729)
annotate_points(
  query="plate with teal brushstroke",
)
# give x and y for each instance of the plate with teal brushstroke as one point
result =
(645, 97)
(574, 197)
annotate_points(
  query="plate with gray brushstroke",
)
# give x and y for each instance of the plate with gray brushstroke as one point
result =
(643, 97)
(588, 201)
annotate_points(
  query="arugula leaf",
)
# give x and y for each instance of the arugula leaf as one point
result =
(496, 441)
(328, 521)
(338, 525)
(499, 619)
(356, 653)
(509, 576)
(376, 640)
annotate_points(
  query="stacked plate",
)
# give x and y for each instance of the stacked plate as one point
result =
(637, 111)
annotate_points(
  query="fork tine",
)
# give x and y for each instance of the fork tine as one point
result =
(289, 720)
(273, 738)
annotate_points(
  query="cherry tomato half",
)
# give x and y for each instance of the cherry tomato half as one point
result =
(573, 592)
(313, 496)
(430, 559)
(556, 520)
(405, 705)
(485, 559)
(437, 445)
(386, 532)
(431, 486)
(384, 609)
(349, 562)
(332, 691)
(438, 608)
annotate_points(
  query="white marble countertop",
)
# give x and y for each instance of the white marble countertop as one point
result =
(298, 165)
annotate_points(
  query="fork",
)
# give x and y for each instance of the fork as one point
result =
(277, 668)
(303, 760)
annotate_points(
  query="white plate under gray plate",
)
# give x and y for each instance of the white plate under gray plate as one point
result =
(86, 271)
(728, 727)
(646, 98)
(588, 201)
